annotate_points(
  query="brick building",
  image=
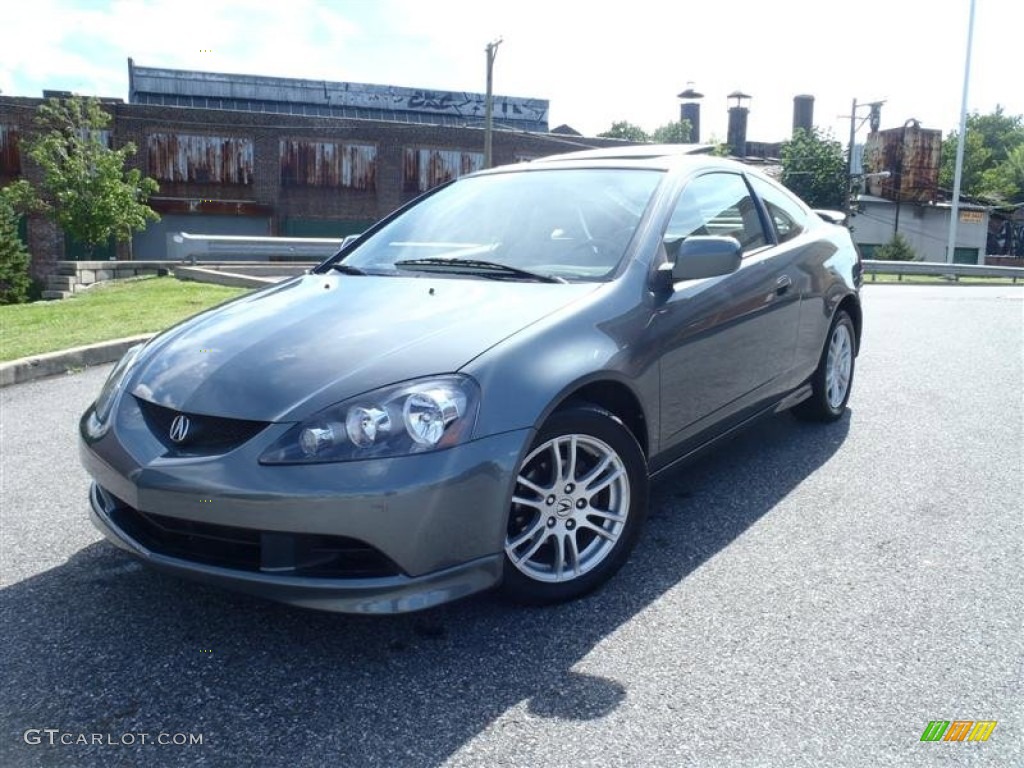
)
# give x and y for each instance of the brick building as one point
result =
(239, 154)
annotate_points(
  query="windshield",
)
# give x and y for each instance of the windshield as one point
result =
(573, 224)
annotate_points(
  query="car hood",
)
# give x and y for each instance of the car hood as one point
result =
(284, 353)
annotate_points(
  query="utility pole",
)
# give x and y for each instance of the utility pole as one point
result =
(874, 117)
(492, 51)
(954, 212)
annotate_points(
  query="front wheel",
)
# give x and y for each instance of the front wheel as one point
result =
(579, 502)
(833, 379)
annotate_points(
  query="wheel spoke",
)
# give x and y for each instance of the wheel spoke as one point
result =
(533, 548)
(596, 472)
(537, 526)
(605, 515)
(570, 474)
(556, 449)
(598, 530)
(542, 492)
(605, 482)
(535, 503)
(559, 564)
(574, 554)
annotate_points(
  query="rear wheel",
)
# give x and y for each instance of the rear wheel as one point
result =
(833, 379)
(577, 508)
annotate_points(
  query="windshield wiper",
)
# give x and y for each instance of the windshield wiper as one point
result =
(347, 269)
(477, 267)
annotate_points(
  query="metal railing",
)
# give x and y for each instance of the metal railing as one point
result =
(181, 246)
(939, 268)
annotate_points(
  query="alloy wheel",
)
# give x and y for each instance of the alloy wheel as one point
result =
(569, 508)
(839, 365)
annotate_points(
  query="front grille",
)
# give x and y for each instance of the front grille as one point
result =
(247, 549)
(206, 434)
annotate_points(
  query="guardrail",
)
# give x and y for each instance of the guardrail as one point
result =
(940, 268)
(181, 246)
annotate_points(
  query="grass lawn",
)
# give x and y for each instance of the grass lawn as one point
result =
(107, 311)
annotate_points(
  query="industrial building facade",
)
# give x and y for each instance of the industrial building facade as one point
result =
(267, 156)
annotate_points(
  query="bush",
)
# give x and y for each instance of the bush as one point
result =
(15, 284)
(897, 249)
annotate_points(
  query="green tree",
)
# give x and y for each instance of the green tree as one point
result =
(813, 166)
(992, 158)
(85, 187)
(897, 249)
(15, 282)
(677, 132)
(625, 130)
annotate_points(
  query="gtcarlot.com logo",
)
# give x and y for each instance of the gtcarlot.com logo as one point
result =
(958, 730)
(56, 737)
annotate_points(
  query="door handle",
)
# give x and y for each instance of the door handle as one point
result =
(783, 284)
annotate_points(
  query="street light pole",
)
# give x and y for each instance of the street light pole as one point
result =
(492, 51)
(954, 211)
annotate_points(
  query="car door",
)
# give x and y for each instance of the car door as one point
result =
(724, 340)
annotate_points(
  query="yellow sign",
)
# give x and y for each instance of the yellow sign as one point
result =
(972, 217)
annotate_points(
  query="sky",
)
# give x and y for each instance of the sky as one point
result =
(595, 63)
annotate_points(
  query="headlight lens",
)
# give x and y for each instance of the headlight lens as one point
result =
(414, 417)
(108, 395)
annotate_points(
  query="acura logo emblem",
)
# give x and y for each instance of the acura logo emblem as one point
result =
(179, 428)
(564, 506)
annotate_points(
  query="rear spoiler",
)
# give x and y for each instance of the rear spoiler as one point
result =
(832, 217)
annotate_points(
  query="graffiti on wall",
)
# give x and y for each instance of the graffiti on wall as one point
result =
(424, 169)
(196, 158)
(328, 164)
(381, 102)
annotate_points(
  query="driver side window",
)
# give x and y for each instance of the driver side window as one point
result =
(717, 204)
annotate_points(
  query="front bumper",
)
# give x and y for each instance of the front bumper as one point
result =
(439, 518)
(391, 594)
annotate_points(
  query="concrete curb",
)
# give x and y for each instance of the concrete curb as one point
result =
(65, 361)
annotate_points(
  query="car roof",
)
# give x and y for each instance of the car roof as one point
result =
(632, 152)
(661, 157)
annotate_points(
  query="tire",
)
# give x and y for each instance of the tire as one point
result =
(833, 379)
(578, 506)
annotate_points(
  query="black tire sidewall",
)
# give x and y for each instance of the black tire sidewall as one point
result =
(597, 422)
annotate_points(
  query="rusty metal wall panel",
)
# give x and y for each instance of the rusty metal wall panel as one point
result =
(328, 164)
(360, 168)
(919, 151)
(197, 158)
(10, 153)
(424, 169)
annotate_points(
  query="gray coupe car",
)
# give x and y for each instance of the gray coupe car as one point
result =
(478, 390)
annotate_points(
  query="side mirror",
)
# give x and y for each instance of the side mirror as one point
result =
(701, 256)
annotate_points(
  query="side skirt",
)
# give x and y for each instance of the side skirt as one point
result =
(794, 397)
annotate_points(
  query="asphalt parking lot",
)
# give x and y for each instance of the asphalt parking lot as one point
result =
(805, 595)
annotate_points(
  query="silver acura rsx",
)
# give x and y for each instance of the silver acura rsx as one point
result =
(478, 390)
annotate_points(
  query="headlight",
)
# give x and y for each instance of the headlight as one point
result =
(108, 395)
(414, 417)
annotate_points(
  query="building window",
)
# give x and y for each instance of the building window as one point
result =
(328, 164)
(195, 158)
(424, 169)
(10, 156)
